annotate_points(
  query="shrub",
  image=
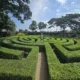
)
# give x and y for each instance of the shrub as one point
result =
(20, 34)
(10, 53)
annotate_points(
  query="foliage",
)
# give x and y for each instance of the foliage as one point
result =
(20, 34)
(19, 69)
(56, 49)
(69, 20)
(17, 8)
(58, 70)
(10, 53)
(33, 25)
(41, 25)
(7, 26)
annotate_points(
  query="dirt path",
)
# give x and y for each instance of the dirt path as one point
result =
(41, 71)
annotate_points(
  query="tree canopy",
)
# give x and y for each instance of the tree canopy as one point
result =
(41, 25)
(33, 25)
(69, 20)
(9, 24)
(18, 8)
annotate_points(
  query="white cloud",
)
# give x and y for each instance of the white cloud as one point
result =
(62, 1)
(54, 28)
(73, 3)
(45, 8)
(69, 12)
(38, 7)
(57, 10)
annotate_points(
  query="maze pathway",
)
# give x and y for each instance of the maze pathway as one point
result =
(53, 59)
(41, 71)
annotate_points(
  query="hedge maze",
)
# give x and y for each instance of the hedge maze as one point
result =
(19, 55)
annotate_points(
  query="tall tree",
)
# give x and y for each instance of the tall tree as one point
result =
(21, 30)
(25, 31)
(74, 22)
(18, 8)
(69, 20)
(41, 25)
(9, 27)
(33, 26)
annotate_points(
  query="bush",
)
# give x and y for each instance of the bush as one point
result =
(20, 34)
(19, 69)
(68, 56)
(25, 68)
(10, 53)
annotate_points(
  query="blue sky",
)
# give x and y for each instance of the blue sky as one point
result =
(44, 10)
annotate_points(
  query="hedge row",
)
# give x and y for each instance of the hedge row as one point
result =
(10, 53)
(19, 69)
(48, 39)
(21, 39)
(5, 43)
(59, 71)
(51, 60)
(29, 44)
(68, 56)
(74, 47)
(70, 42)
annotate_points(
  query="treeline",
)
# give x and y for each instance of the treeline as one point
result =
(21, 11)
(69, 20)
(55, 34)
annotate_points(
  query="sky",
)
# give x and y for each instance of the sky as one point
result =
(44, 10)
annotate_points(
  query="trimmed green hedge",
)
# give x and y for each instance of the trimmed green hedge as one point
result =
(51, 60)
(5, 43)
(19, 69)
(68, 56)
(70, 42)
(74, 47)
(25, 68)
(59, 71)
(21, 39)
(10, 53)
(29, 44)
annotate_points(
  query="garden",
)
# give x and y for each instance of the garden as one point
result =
(19, 57)
(39, 40)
